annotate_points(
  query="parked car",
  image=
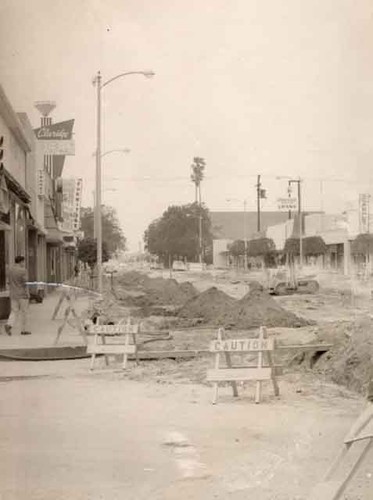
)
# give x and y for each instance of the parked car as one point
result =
(179, 265)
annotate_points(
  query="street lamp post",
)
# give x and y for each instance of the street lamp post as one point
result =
(100, 86)
(298, 181)
(122, 150)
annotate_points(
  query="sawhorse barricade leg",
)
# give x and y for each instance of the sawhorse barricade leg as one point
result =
(332, 489)
(228, 360)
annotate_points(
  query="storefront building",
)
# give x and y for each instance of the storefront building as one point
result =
(14, 198)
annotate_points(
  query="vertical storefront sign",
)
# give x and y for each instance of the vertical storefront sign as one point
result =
(364, 213)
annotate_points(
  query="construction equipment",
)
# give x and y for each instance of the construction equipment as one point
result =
(285, 282)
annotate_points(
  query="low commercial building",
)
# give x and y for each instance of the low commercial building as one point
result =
(228, 227)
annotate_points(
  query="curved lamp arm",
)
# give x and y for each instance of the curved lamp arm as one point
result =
(147, 74)
(124, 150)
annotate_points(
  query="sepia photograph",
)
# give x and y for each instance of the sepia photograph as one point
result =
(186, 250)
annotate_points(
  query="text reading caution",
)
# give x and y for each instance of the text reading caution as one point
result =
(113, 329)
(231, 345)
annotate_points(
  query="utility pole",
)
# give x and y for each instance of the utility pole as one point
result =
(300, 225)
(258, 196)
(298, 181)
(98, 224)
(244, 234)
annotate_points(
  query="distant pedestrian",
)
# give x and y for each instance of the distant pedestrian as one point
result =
(19, 295)
(76, 271)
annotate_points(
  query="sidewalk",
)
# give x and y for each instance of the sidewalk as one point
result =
(43, 328)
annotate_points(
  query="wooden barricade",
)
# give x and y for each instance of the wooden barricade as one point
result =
(335, 481)
(74, 321)
(105, 341)
(262, 346)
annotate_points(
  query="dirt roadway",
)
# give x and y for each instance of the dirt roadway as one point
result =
(68, 433)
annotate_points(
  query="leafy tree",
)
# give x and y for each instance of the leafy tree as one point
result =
(291, 246)
(237, 248)
(311, 245)
(362, 244)
(87, 251)
(175, 234)
(112, 233)
(261, 247)
(314, 245)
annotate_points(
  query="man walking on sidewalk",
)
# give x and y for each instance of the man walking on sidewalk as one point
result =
(19, 295)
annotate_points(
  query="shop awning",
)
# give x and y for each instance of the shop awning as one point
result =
(32, 223)
(4, 226)
(14, 186)
(54, 236)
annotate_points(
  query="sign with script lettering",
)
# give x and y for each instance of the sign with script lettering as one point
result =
(62, 131)
(57, 138)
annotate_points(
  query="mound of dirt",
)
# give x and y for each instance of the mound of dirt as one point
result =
(258, 308)
(350, 361)
(138, 290)
(168, 291)
(207, 306)
(131, 279)
(255, 309)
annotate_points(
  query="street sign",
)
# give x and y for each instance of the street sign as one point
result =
(287, 203)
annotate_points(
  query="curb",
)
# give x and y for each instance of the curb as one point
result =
(53, 353)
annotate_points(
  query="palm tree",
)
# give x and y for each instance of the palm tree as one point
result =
(198, 167)
(197, 175)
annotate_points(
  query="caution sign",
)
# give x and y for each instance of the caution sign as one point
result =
(113, 339)
(264, 368)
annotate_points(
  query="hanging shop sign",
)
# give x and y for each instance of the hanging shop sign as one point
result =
(57, 138)
(62, 131)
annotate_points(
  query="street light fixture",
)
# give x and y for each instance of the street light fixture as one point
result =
(99, 85)
(122, 150)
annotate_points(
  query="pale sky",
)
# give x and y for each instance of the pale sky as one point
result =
(270, 87)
